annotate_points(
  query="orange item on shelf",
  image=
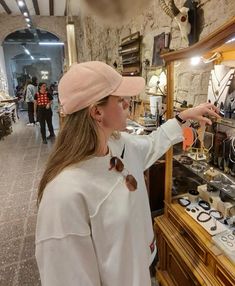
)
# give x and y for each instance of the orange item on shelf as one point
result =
(188, 137)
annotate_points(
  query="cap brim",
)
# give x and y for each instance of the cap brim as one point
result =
(130, 86)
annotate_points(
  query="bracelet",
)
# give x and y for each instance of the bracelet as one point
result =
(184, 202)
(184, 159)
(205, 205)
(203, 220)
(218, 215)
(177, 117)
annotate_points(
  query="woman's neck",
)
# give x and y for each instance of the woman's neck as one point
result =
(104, 136)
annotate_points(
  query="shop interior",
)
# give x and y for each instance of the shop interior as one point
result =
(192, 188)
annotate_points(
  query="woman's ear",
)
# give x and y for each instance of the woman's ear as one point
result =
(96, 113)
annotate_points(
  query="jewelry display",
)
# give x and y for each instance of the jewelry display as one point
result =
(209, 219)
(216, 93)
(193, 195)
(197, 154)
(193, 210)
(184, 202)
(206, 219)
(186, 160)
(213, 228)
(232, 150)
(216, 214)
(223, 238)
(231, 237)
(229, 243)
(219, 83)
(205, 205)
(197, 167)
(226, 241)
(221, 80)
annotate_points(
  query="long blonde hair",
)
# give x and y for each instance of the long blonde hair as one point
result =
(77, 141)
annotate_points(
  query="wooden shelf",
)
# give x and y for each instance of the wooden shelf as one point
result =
(130, 39)
(129, 50)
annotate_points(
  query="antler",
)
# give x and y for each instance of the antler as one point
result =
(173, 8)
(170, 10)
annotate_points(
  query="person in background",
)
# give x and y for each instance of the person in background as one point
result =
(94, 225)
(51, 89)
(42, 103)
(31, 90)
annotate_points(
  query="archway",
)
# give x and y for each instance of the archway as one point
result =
(24, 57)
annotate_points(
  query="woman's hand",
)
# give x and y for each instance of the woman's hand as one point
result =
(200, 112)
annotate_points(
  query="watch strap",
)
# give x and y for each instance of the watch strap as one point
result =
(177, 117)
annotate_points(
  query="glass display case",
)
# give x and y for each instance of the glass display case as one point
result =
(196, 234)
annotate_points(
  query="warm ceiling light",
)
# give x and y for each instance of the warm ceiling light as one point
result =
(195, 61)
(25, 14)
(51, 43)
(27, 19)
(29, 25)
(21, 3)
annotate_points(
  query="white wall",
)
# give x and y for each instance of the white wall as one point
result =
(2, 64)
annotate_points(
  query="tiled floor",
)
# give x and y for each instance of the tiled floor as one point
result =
(22, 158)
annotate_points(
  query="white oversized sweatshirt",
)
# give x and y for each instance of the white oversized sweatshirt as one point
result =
(91, 230)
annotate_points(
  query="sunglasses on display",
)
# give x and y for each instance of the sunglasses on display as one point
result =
(116, 163)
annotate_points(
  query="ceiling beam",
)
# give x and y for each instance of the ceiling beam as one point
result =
(36, 7)
(5, 7)
(51, 5)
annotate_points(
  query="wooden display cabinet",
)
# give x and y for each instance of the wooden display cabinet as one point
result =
(187, 254)
(129, 50)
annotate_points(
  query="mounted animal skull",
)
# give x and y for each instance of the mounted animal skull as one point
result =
(180, 16)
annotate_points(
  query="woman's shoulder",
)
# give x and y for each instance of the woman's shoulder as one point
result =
(71, 177)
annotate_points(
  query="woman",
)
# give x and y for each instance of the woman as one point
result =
(42, 103)
(94, 223)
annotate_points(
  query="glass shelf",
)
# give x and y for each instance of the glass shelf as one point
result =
(226, 122)
(198, 168)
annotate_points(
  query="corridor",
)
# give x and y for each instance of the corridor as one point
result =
(22, 159)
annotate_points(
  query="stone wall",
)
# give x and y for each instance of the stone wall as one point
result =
(3, 73)
(99, 42)
(96, 41)
(191, 83)
(10, 24)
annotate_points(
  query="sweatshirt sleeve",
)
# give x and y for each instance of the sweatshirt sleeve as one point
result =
(69, 261)
(151, 147)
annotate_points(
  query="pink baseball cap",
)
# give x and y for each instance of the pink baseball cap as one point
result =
(86, 83)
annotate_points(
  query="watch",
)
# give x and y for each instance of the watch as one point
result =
(179, 119)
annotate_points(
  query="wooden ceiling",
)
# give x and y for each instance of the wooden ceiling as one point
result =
(40, 7)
